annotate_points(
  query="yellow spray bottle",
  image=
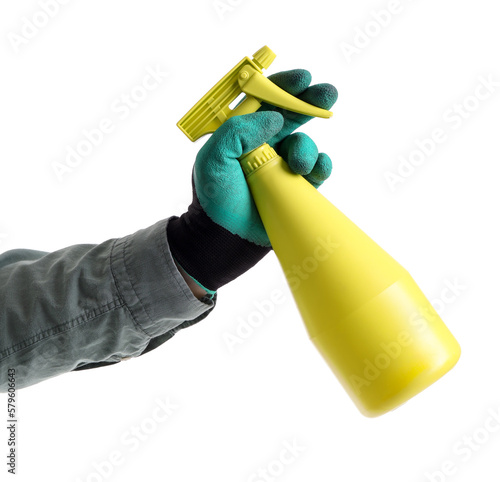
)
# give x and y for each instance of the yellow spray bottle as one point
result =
(364, 313)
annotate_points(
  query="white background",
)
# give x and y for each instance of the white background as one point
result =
(236, 411)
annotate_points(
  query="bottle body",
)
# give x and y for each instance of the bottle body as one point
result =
(364, 313)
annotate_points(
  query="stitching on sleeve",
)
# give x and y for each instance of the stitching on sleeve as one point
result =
(136, 322)
(84, 317)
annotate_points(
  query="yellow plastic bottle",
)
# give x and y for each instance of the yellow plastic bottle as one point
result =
(362, 310)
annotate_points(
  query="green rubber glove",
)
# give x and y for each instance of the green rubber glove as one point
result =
(221, 235)
(218, 179)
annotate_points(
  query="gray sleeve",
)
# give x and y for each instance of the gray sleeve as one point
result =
(88, 305)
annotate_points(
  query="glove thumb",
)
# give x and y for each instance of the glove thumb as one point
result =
(241, 134)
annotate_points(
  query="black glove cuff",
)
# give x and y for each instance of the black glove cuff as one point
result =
(209, 253)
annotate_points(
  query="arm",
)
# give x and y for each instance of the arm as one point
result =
(197, 290)
(90, 305)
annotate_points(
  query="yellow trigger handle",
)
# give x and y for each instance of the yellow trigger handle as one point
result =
(261, 88)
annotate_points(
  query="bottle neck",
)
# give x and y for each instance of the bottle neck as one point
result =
(255, 159)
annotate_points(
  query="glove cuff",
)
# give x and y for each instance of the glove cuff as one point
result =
(208, 252)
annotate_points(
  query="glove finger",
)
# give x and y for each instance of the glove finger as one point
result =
(320, 95)
(293, 81)
(300, 152)
(321, 170)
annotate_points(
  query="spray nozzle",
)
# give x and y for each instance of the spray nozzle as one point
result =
(213, 109)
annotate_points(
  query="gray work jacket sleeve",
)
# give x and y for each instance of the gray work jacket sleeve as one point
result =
(87, 306)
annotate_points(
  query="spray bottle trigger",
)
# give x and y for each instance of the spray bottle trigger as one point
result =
(256, 85)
